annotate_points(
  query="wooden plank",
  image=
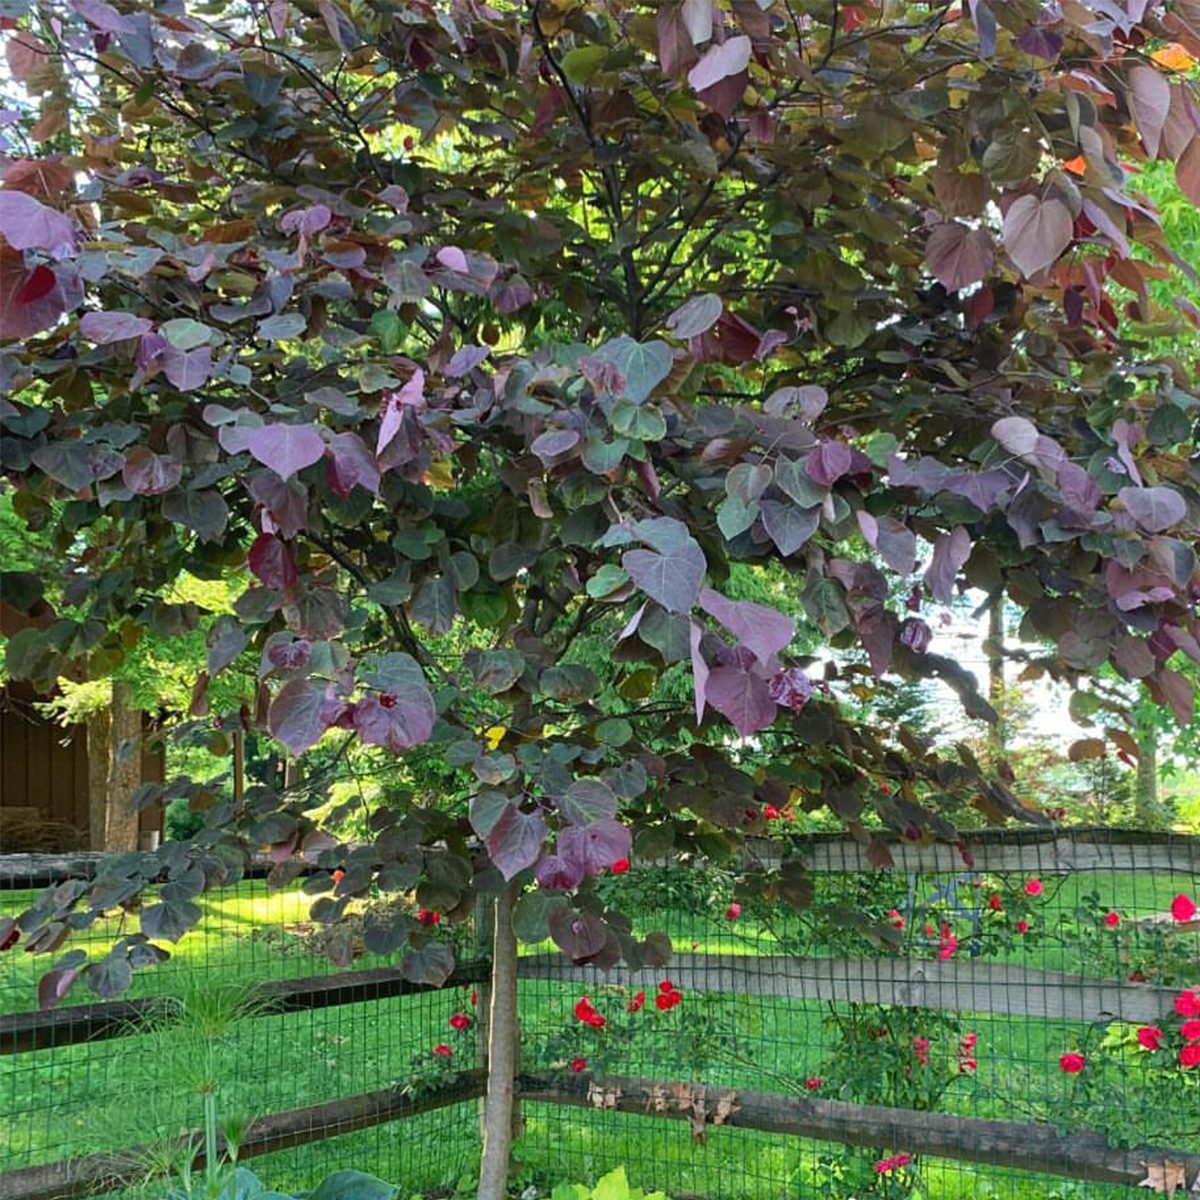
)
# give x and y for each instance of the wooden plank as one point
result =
(1000, 851)
(957, 985)
(27, 1031)
(79, 1177)
(21, 871)
(1079, 1154)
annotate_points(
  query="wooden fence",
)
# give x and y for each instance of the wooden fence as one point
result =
(956, 985)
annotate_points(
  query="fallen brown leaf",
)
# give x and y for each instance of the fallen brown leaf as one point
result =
(1165, 1177)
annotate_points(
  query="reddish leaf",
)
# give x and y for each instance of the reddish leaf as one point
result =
(30, 300)
(1154, 508)
(1017, 435)
(596, 847)
(296, 718)
(397, 719)
(45, 178)
(104, 328)
(187, 369)
(1187, 170)
(54, 986)
(1150, 101)
(958, 256)
(270, 559)
(828, 462)
(149, 474)
(1036, 232)
(763, 631)
(742, 697)
(671, 573)
(731, 57)
(286, 449)
(103, 16)
(28, 224)
(950, 553)
(350, 465)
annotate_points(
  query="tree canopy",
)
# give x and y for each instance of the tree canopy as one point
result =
(481, 334)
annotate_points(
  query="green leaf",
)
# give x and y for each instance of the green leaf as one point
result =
(607, 580)
(352, 1185)
(531, 915)
(583, 62)
(644, 365)
(388, 329)
(185, 334)
(613, 1186)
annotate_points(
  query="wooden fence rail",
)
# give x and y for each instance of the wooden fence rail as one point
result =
(73, 1178)
(1004, 989)
(995, 850)
(958, 985)
(22, 1032)
(1080, 1154)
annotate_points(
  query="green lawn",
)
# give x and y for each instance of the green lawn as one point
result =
(77, 1099)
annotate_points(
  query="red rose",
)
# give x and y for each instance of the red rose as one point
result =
(995, 903)
(1150, 1036)
(474, 999)
(666, 986)
(1112, 919)
(635, 1005)
(1034, 887)
(1183, 908)
(1187, 1003)
(586, 1012)
(733, 911)
(770, 812)
(620, 866)
(428, 917)
(813, 1083)
(1072, 1063)
(1190, 1030)
(1189, 1056)
(578, 1064)
(967, 1064)
(666, 1000)
(895, 918)
(443, 1051)
(886, 788)
(1022, 926)
(460, 1021)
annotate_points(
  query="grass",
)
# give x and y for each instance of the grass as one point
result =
(74, 1100)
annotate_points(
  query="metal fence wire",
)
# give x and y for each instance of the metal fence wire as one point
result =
(1009, 1021)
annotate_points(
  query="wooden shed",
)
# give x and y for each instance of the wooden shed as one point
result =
(58, 783)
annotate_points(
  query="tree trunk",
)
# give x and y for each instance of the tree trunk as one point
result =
(503, 1036)
(1147, 810)
(995, 657)
(114, 773)
(124, 772)
(99, 749)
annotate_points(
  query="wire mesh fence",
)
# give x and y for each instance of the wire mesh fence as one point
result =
(1009, 1022)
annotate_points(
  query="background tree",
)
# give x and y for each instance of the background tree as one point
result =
(473, 330)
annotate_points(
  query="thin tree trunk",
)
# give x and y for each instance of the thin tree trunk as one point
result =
(503, 1035)
(1147, 809)
(124, 772)
(99, 748)
(995, 657)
